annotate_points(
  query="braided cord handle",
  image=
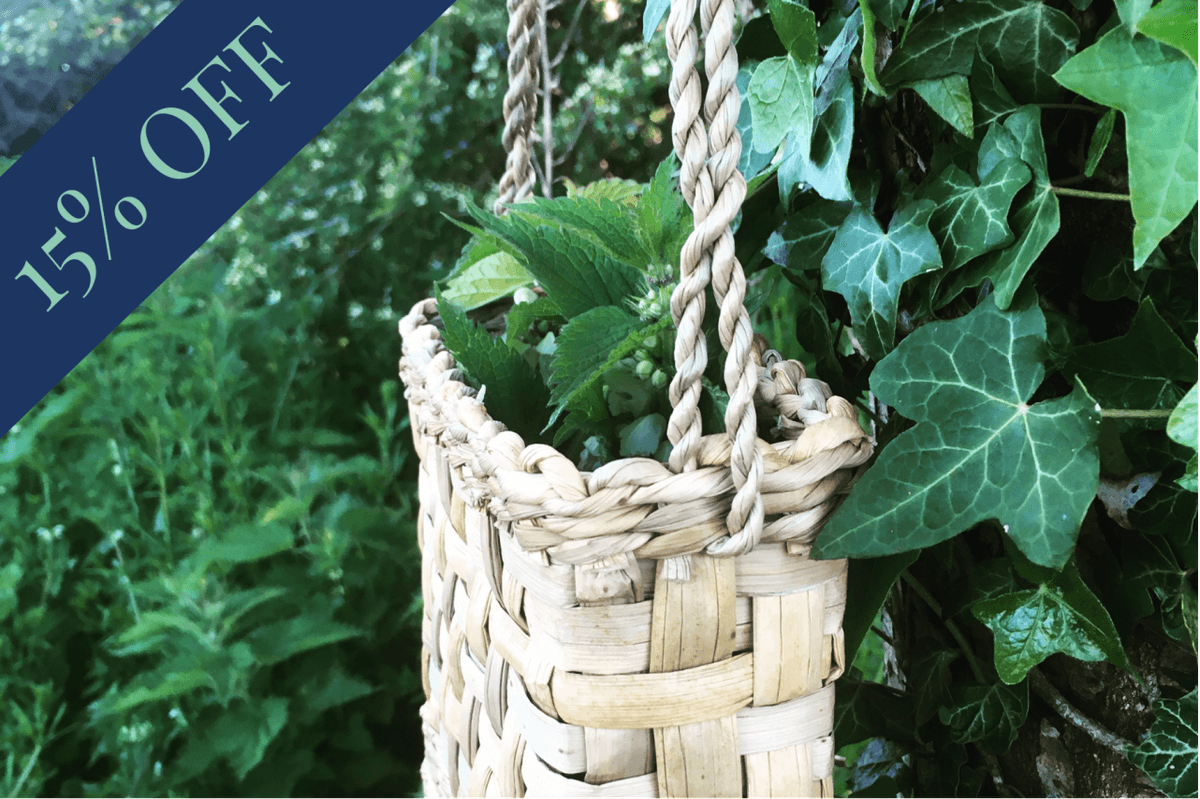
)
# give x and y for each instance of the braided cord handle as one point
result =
(715, 188)
(520, 102)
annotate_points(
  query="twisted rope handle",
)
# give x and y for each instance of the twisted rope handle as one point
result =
(715, 188)
(520, 102)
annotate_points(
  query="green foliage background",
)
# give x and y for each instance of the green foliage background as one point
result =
(209, 582)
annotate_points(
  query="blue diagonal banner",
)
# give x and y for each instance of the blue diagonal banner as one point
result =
(182, 132)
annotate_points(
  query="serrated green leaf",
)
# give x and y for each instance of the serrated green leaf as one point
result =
(618, 190)
(979, 450)
(333, 689)
(1034, 218)
(868, 267)
(244, 543)
(607, 222)
(990, 100)
(10, 578)
(486, 280)
(809, 232)
(1026, 42)
(1099, 143)
(513, 393)
(991, 714)
(652, 16)
(1139, 370)
(780, 97)
(950, 98)
(242, 733)
(797, 29)
(576, 272)
(1062, 615)
(1155, 87)
(281, 640)
(824, 164)
(1168, 755)
(588, 346)
(970, 219)
(155, 687)
(1172, 22)
(1181, 427)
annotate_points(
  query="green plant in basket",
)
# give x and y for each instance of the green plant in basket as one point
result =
(585, 360)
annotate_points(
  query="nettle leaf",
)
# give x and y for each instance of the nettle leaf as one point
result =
(991, 714)
(1141, 369)
(1172, 22)
(971, 219)
(868, 266)
(513, 393)
(1181, 427)
(1034, 217)
(1026, 42)
(1168, 755)
(781, 102)
(1155, 87)
(576, 272)
(486, 280)
(823, 165)
(990, 101)
(979, 450)
(950, 99)
(1062, 615)
(664, 220)
(1099, 143)
(588, 346)
(808, 233)
(609, 223)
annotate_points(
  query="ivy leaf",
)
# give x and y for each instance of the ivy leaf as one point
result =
(889, 12)
(1062, 615)
(824, 164)
(809, 232)
(865, 710)
(1139, 370)
(641, 438)
(1155, 87)
(1181, 427)
(979, 450)
(514, 393)
(797, 29)
(971, 219)
(867, 585)
(486, 280)
(1168, 755)
(1025, 42)
(752, 162)
(868, 267)
(781, 102)
(950, 98)
(836, 62)
(1034, 218)
(1172, 22)
(991, 714)
(990, 100)
(1099, 143)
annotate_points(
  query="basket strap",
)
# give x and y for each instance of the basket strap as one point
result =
(715, 188)
(520, 101)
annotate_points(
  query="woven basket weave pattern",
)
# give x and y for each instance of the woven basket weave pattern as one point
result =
(540, 662)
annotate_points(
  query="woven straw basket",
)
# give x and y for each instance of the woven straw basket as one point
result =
(645, 629)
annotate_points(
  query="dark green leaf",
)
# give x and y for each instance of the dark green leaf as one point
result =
(971, 219)
(990, 714)
(950, 98)
(808, 233)
(797, 29)
(865, 710)
(990, 100)
(979, 450)
(868, 267)
(867, 586)
(1026, 42)
(284, 639)
(1099, 144)
(1060, 616)
(1154, 86)
(1168, 754)
(247, 542)
(889, 12)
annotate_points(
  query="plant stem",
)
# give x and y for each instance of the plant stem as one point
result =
(936, 607)
(1051, 696)
(37, 751)
(1069, 107)
(1090, 195)
(912, 11)
(1123, 413)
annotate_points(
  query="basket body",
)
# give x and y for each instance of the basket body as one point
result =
(552, 662)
